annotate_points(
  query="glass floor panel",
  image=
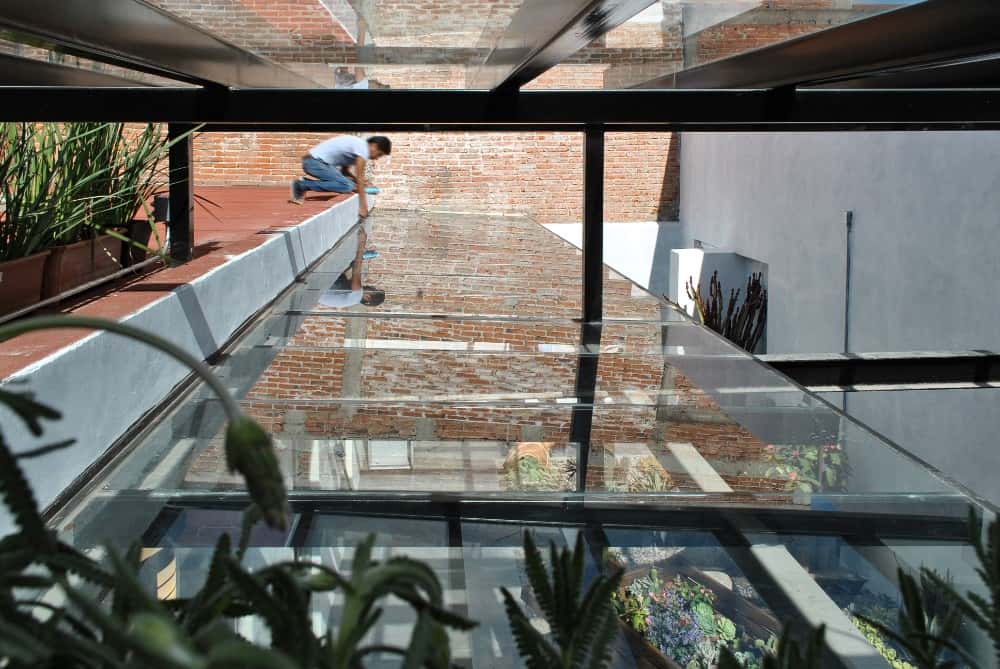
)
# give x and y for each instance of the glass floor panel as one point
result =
(472, 405)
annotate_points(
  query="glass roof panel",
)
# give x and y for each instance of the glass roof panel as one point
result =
(13, 48)
(448, 433)
(675, 35)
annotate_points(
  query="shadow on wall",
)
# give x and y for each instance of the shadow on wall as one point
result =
(670, 187)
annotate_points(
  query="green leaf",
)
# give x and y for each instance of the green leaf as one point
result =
(421, 643)
(531, 645)
(20, 500)
(539, 579)
(21, 646)
(249, 451)
(251, 515)
(242, 655)
(159, 636)
(273, 613)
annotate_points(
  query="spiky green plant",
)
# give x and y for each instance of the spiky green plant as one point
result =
(787, 655)
(71, 181)
(928, 621)
(583, 624)
(110, 621)
(983, 612)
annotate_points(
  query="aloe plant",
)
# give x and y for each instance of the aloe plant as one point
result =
(127, 627)
(583, 624)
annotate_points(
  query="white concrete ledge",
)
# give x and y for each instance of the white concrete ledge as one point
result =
(104, 383)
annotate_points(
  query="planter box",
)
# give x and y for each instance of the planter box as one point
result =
(21, 282)
(76, 264)
(755, 621)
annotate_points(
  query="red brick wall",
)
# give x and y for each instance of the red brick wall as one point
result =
(534, 174)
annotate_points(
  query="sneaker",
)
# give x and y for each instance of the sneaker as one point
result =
(296, 196)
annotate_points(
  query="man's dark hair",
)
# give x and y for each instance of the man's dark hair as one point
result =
(383, 143)
(373, 296)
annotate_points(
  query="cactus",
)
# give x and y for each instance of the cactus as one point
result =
(744, 324)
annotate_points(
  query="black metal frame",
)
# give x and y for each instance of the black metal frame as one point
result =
(863, 527)
(543, 34)
(890, 371)
(181, 179)
(929, 32)
(19, 71)
(138, 35)
(625, 110)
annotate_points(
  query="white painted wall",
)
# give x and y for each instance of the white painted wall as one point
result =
(926, 262)
(638, 251)
(104, 383)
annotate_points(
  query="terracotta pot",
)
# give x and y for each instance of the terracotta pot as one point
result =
(76, 264)
(138, 231)
(539, 450)
(21, 282)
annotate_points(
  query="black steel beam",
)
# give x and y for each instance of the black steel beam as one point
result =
(582, 418)
(979, 73)
(181, 170)
(543, 34)
(890, 371)
(18, 71)
(137, 35)
(932, 31)
(661, 110)
(948, 522)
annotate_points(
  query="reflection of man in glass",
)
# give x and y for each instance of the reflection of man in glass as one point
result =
(348, 292)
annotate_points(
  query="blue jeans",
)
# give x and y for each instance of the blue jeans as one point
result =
(329, 178)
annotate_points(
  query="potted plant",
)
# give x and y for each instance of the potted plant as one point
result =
(113, 173)
(685, 618)
(640, 475)
(69, 197)
(808, 468)
(529, 467)
(27, 171)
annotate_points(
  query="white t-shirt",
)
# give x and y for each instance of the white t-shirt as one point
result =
(340, 151)
(341, 298)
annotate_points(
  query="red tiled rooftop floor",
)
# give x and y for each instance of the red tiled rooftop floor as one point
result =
(228, 221)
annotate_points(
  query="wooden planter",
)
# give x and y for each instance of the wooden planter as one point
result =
(76, 264)
(21, 282)
(756, 621)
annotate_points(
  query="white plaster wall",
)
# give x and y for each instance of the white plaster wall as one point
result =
(638, 251)
(104, 383)
(926, 265)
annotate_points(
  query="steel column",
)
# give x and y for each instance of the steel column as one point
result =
(593, 224)
(181, 174)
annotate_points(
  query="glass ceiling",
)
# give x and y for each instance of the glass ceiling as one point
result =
(457, 414)
(446, 44)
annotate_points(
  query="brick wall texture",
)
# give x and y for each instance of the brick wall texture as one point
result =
(460, 397)
(441, 44)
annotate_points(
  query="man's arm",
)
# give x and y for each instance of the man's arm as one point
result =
(359, 258)
(359, 179)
